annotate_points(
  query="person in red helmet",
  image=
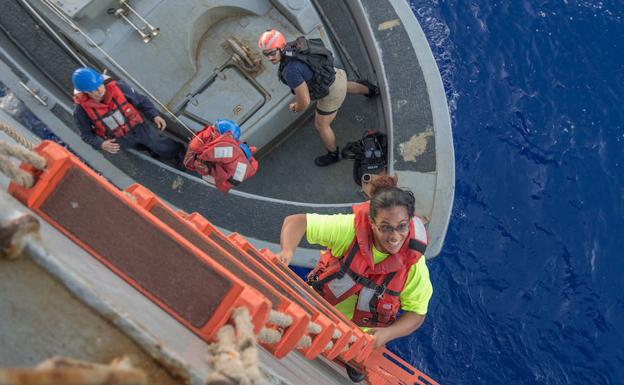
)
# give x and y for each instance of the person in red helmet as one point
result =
(307, 67)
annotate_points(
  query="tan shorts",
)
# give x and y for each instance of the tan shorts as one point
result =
(337, 93)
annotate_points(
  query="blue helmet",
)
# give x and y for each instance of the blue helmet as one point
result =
(225, 125)
(245, 149)
(87, 79)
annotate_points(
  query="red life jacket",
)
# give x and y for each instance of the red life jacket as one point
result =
(377, 286)
(113, 116)
(219, 159)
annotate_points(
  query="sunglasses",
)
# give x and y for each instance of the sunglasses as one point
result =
(387, 229)
(270, 53)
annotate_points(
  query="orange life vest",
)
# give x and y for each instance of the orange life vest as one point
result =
(219, 159)
(113, 116)
(377, 286)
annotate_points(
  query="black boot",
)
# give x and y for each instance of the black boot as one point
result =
(327, 159)
(373, 90)
(355, 375)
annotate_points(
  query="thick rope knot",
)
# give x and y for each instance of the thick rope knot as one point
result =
(12, 170)
(10, 131)
(234, 357)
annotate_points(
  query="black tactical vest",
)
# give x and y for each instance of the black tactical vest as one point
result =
(321, 62)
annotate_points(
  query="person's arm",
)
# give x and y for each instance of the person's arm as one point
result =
(407, 324)
(293, 230)
(83, 123)
(302, 97)
(295, 73)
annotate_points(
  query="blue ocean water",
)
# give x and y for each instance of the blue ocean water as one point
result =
(529, 286)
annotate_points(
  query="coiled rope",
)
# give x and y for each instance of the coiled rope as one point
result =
(22, 152)
(11, 132)
(12, 170)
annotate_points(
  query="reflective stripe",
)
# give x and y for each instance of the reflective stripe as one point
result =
(239, 174)
(114, 120)
(339, 286)
(223, 152)
(420, 233)
(364, 298)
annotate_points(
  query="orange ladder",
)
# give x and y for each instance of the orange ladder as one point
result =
(135, 234)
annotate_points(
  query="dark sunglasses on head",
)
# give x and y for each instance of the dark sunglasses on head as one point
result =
(270, 53)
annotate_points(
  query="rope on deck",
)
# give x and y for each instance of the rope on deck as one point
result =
(10, 131)
(24, 155)
(61, 370)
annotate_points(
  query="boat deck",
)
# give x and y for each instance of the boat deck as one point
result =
(287, 171)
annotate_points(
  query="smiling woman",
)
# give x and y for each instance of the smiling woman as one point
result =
(373, 266)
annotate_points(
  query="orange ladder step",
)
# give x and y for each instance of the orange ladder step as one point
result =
(385, 367)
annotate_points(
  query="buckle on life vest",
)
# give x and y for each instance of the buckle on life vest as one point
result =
(380, 290)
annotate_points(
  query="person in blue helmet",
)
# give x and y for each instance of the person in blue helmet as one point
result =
(112, 116)
(226, 125)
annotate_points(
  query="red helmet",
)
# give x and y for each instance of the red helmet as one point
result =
(271, 39)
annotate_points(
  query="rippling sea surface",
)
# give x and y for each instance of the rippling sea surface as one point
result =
(529, 286)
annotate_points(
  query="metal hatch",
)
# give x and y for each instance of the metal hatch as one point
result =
(229, 96)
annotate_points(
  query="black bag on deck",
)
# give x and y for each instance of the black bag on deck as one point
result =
(368, 153)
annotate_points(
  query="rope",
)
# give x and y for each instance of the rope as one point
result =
(15, 135)
(60, 370)
(12, 171)
(247, 344)
(280, 319)
(234, 357)
(314, 328)
(269, 336)
(305, 342)
(348, 346)
(22, 154)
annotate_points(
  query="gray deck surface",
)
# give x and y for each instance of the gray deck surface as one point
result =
(288, 171)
